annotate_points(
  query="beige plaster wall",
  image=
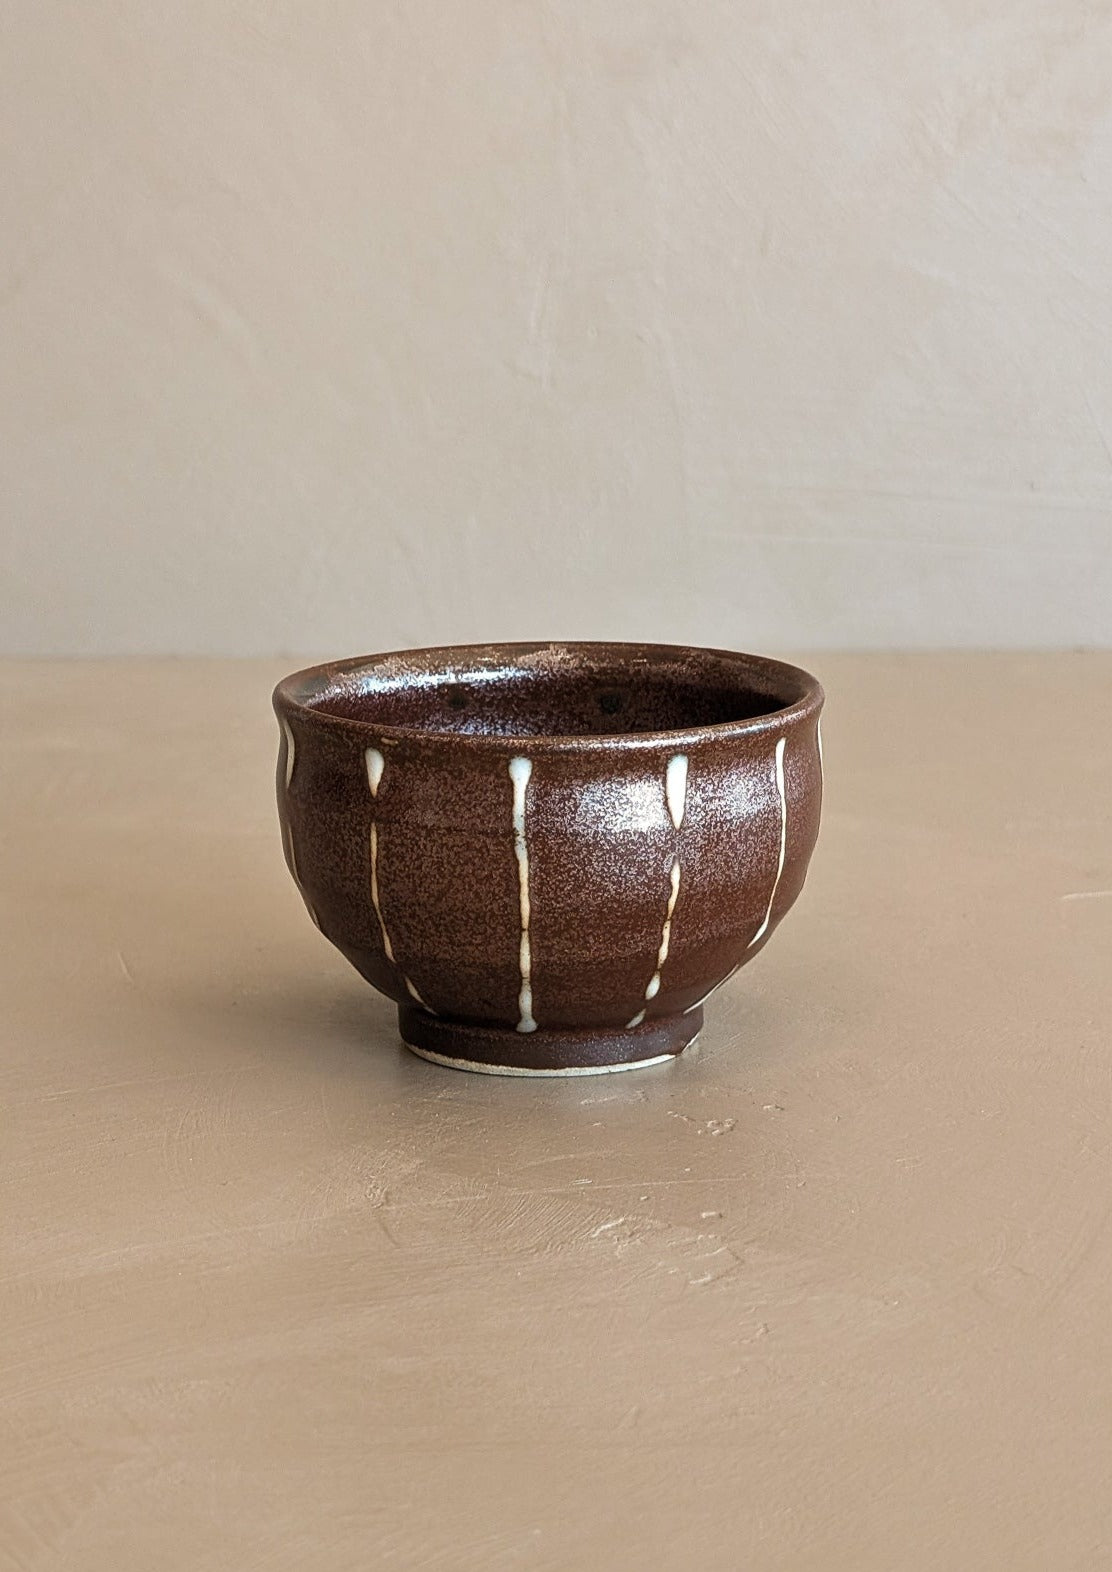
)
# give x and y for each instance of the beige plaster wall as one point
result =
(354, 324)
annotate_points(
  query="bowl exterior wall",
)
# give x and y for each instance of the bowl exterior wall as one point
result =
(553, 889)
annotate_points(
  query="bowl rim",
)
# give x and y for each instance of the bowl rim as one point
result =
(290, 696)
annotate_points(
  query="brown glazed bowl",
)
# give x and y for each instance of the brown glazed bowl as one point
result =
(549, 854)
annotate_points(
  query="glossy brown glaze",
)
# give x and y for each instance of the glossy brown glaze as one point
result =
(549, 854)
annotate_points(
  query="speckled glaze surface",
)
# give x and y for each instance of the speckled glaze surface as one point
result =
(549, 855)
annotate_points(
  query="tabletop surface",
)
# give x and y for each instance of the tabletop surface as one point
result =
(830, 1292)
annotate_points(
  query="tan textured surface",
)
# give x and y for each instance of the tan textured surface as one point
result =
(790, 318)
(831, 1293)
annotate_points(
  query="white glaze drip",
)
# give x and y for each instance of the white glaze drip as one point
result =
(713, 989)
(675, 787)
(520, 770)
(675, 794)
(386, 945)
(666, 936)
(376, 764)
(780, 792)
(291, 752)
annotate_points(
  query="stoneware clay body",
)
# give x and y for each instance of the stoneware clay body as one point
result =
(549, 855)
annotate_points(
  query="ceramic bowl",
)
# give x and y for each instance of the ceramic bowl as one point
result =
(549, 855)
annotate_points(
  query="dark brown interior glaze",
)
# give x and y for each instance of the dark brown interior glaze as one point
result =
(558, 690)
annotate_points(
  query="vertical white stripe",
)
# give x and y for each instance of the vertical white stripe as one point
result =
(376, 764)
(818, 743)
(675, 795)
(675, 787)
(713, 989)
(386, 945)
(666, 937)
(291, 751)
(520, 770)
(782, 795)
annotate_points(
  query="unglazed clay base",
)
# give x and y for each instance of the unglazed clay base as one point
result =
(498, 1051)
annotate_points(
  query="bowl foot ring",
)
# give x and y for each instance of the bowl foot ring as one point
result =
(503, 1051)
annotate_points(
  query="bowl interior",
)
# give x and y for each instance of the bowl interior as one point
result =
(552, 690)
